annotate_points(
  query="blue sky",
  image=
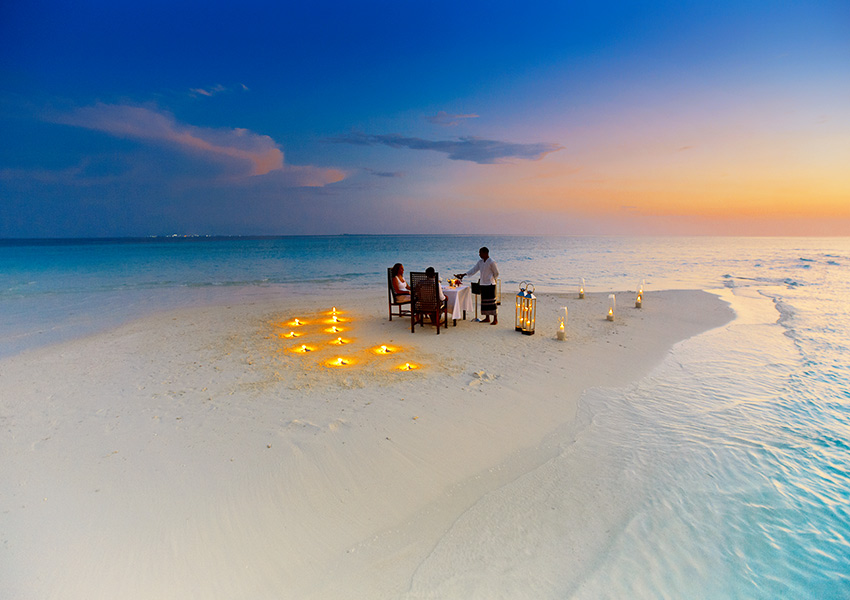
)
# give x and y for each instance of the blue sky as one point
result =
(384, 117)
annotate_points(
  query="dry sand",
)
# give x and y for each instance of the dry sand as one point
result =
(195, 455)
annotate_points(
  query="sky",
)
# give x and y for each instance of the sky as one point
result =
(275, 118)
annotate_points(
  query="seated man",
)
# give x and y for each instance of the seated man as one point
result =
(430, 272)
(425, 286)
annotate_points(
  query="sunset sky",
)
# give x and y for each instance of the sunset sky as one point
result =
(266, 118)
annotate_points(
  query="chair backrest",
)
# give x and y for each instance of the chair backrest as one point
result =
(390, 288)
(424, 296)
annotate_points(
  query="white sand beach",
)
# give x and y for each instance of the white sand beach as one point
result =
(194, 454)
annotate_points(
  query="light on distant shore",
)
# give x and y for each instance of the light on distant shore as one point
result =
(408, 367)
(562, 333)
(612, 304)
(581, 289)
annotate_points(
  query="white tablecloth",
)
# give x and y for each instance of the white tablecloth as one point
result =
(460, 299)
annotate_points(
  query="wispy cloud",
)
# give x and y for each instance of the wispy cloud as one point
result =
(446, 120)
(215, 90)
(245, 153)
(473, 149)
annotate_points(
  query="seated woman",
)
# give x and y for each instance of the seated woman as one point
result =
(402, 292)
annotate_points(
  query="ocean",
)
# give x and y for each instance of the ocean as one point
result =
(728, 467)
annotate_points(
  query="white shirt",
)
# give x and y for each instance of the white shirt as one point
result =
(488, 269)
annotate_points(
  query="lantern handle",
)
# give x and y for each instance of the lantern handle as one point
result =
(530, 288)
(523, 285)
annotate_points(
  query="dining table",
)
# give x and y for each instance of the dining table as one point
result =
(459, 299)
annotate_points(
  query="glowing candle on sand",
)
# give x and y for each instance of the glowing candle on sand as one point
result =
(408, 367)
(340, 362)
(562, 334)
(639, 300)
(581, 289)
(612, 304)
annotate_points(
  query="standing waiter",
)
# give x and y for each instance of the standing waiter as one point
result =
(486, 266)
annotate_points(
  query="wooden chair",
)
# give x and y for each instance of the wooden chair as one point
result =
(403, 303)
(425, 300)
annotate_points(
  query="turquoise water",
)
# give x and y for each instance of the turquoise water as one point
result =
(727, 469)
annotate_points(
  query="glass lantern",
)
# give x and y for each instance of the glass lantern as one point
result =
(520, 304)
(526, 314)
(581, 289)
(612, 305)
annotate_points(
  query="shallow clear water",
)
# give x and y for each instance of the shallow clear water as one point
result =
(725, 473)
(739, 441)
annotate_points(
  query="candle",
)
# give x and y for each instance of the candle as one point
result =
(612, 303)
(639, 300)
(297, 322)
(581, 290)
